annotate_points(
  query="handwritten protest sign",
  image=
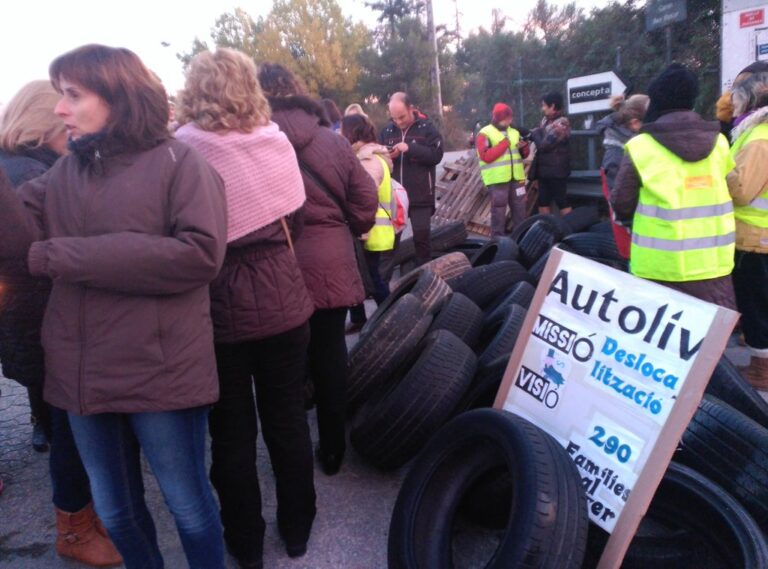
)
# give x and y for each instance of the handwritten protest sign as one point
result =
(613, 367)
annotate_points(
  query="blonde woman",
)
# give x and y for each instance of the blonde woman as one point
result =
(259, 303)
(32, 138)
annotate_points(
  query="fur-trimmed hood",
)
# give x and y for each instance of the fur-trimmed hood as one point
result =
(759, 116)
(299, 117)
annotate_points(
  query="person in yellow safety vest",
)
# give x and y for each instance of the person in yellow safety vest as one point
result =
(748, 184)
(501, 153)
(375, 159)
(671, 187)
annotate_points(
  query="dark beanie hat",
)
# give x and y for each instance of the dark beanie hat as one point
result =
(675, 88)
(501, 112)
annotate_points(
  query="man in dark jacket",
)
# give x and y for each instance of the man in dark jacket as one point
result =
(416, 147)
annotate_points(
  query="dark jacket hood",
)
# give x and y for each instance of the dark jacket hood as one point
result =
(299, 119)
(685, 133)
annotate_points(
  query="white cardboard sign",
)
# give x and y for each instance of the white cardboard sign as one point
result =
(613, 367)
(592, 93)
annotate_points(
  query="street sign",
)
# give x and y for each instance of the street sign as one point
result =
(662, 13)
(592, 93)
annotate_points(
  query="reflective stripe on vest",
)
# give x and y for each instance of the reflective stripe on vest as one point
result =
(381, 237)
(683, 228)
(756, 213)
(509, 165)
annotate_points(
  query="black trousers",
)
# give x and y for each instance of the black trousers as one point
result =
(328, 367)
(750, 281)
(276, 367)
(420, 223)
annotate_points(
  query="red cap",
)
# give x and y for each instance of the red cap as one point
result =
(501, 112)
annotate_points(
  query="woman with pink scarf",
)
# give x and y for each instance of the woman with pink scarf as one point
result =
(259, 304)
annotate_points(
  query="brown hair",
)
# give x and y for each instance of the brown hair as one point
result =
(29, 120)
(629, 109)
(357, 128)
(222, 93)
(277, 81)
(138, 104)
(333, 112)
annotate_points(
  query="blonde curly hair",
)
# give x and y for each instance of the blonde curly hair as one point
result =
(222, 93)
(29, 120)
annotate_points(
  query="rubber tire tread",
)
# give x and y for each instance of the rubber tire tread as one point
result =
(448, 266)
(443, 237)
(378, 355)
(460, 316)
(595, 245)
(499, 249)
(519, 232)
(425, 285)
(390, 431)
(728, 385)
(485, 284)
(582, 218)
(505, 339)
(520, 294)
(713, 522)
(547, 487)
(484, 388)
(731, 449)
(537, 269)
(536, 243)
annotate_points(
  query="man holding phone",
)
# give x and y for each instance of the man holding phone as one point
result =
(416, 147)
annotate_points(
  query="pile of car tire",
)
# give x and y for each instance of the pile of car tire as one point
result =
(425, 372)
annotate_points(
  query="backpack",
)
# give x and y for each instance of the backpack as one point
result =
(399, 205)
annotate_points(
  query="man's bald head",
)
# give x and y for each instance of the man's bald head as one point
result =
(401, 110)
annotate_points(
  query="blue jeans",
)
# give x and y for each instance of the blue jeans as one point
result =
(174, 445)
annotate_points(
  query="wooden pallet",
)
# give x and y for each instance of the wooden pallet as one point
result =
(460, 195)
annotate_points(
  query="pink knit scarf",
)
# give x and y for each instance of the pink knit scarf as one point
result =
(261, 176)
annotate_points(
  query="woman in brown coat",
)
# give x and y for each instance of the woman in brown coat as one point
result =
(341, 201)
(259, 304)
(131, 228)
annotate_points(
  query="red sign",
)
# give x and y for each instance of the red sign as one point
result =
(752, 18)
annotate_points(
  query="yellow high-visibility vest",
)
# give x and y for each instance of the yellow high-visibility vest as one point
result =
(684, 227)
(382, 236)
(508, 166)
(756, 213)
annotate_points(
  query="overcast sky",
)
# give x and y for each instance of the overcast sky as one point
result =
(33, 32)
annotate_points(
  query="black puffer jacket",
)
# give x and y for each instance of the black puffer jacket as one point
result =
(415, 169)
(22, 297)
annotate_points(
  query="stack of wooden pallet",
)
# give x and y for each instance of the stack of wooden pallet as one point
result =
(461, 196)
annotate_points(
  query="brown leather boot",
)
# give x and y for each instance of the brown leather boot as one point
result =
(756, 373)
(78, 537)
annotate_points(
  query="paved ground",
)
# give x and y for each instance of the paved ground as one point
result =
(350, 531)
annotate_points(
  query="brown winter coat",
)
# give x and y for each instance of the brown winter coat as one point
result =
(748, 180)
(260, 291)
(691, 138)
(131, 241)
(325, 249)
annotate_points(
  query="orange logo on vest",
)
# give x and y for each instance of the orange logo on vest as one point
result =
(699, 183)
